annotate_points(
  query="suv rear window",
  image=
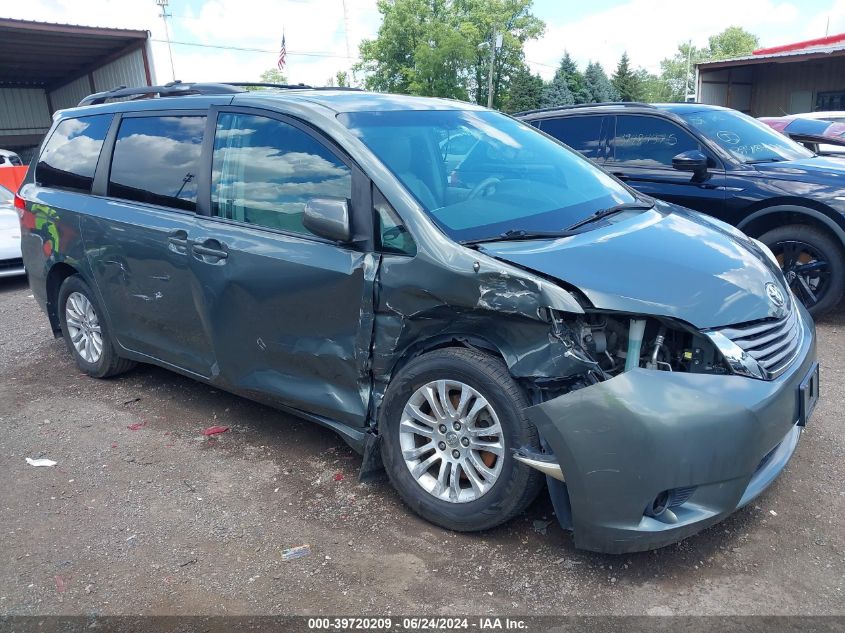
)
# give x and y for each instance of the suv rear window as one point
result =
(581, 133)
(69, 159)
(156, 160)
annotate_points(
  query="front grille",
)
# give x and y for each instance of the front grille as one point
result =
(773, 343)
(11, 263)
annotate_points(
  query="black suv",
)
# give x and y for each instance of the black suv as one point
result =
(728, 165)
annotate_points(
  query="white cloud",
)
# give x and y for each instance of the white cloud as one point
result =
(650, 30)
(311, 26)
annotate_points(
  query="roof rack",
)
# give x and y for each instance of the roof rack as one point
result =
(623, 104)
(179, 89)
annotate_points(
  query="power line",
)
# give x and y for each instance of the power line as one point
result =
(253, 50)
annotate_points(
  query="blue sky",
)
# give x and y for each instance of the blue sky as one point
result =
(594, 30)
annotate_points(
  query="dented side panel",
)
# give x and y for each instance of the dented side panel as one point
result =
(289, 318)
(145, 279)
(424, 302)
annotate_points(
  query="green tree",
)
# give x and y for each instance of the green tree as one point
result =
(573, 77)
(442, 47)
(677, 71)
(525, 91)
(597, 86)
(273, 76)
(514, 21)
(627, 81)
(420, 49)
(557, 92)
(734, 41)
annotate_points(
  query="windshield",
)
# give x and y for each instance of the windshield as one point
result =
(744, 138)
(479, 174)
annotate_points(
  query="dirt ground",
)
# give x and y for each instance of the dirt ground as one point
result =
(162, 520)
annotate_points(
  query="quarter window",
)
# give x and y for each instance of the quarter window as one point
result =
(264, 172)
(581, 133)
(646, 141)
(156, 160)
(69, 159)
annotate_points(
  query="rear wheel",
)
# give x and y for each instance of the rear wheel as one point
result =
(812, 262)
(86, 332)
(450, 421)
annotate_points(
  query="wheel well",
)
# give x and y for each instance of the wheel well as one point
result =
(55, 278)
(429, 345)
(768, 221)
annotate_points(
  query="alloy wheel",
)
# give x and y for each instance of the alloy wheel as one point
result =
(452, 441)
(806, 269)
(84, 327)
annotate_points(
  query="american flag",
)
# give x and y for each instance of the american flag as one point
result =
(282, 54)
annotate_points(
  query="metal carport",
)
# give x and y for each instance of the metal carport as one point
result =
(45, 67)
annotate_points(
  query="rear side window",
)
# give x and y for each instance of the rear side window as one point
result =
(647, 141)
(69, 159)
(156, 160)
(264, 172)
(581, 133)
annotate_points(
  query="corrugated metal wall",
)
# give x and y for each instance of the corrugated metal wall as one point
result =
(70, 94)
(126, 71)
(23, 111)
(783, 88)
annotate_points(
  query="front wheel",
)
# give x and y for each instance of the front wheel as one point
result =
(449, 423)
(812, 262)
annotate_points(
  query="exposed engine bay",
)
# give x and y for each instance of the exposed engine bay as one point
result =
(619, 344)
(611, 343)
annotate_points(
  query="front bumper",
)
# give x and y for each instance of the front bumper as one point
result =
(623, 441)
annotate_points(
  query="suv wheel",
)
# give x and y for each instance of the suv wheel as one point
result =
(85, 331)
(449, 423)
(812, 262)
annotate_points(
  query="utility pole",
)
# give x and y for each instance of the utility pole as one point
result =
(348, 49)
(164, 15)
(686, 77)
(495, 43)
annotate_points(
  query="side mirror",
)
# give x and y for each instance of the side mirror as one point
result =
(693, 160)
(329, 218)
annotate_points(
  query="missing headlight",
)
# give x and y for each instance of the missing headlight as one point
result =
(622, 342)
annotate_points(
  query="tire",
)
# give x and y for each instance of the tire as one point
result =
(795, 246)
(106, 363)
(514, 486)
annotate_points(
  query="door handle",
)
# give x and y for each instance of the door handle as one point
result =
(178, 242)
(210, 251)
(620, 175)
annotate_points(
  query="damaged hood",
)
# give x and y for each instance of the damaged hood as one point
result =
(665, 262)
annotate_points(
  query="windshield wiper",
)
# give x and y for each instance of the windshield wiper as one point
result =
(515, 235)
(764, 160)
(603, 213)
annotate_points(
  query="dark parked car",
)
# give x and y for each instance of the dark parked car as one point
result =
(728, 165)
(527, 318)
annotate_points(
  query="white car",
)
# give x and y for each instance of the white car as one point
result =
(11, 263)
(9, 159)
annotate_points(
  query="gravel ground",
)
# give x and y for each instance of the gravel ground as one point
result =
(162, 520)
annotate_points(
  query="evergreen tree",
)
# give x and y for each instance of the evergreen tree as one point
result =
(597, 85)
(556, 93)
(573, 77)
(626, 81)
(526, 91)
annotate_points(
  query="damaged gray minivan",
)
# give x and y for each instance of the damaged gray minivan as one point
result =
(482, 318)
